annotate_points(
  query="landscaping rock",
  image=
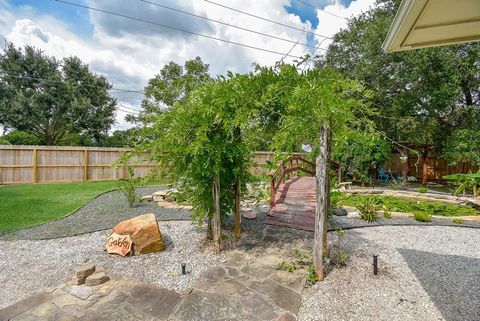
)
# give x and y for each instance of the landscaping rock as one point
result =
(96, 279)
(353, 215)
(84, 271)
(78, 281)
(339, 211)
(144, 232)
(249, 215)
(147, 198)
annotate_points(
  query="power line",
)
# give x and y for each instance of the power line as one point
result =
(266, 19)
(175, 28)
(84, 85)
(127, 107)
(228, 24)
(319, 8)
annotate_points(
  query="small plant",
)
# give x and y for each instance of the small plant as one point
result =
(286, 267)
(423, 216)
(312, 277)
(457, 221)
(387, 214)
(422, 190)
(128, 187)
(369, 209)
(396, 185)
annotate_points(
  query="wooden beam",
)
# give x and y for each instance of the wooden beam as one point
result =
(217, 229)
(237, 224)
(322, 191)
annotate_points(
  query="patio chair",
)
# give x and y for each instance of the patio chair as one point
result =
(383, 175)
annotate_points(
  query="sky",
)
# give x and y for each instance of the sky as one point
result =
(130, 52)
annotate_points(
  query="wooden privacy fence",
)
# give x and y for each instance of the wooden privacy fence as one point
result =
(47, 164)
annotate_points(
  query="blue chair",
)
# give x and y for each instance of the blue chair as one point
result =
(383, 175)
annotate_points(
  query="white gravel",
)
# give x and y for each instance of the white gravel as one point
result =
(27, 267)
(354, 293)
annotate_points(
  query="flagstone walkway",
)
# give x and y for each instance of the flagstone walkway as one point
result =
(247, 286)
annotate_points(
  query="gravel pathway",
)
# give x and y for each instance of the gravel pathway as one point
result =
(28, 266)
(103, 212)
(426, 273)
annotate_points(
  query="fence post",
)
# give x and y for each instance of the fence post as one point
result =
(35, 166)
(85, 165)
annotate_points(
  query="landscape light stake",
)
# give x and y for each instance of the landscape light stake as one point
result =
(375, 264)
(184, 268)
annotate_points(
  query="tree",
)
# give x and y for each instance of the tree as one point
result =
(50, 98)
(18, 137)
(172, 84)
(423, 96)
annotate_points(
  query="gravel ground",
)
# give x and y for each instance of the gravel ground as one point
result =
(426, 273)
(103, 212)
(28, 266)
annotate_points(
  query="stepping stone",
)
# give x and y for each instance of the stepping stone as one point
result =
(249, 215)
(78, 281)
(96, 279)
(84, 271)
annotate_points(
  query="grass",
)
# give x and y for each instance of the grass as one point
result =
(423, 217)
(29, 205)
(398, 204)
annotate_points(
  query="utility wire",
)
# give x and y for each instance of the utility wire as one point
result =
(84, 85)
(228, 24)
(319, 8)
(281, 60)
(266, 19)
(174, 28)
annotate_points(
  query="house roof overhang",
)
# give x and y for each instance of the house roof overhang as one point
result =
(431, 23)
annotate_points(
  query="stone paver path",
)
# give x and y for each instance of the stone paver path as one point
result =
(247, 286)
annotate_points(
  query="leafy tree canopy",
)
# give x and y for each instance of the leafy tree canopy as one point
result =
(172, 84)
(50, 98)
(423, 96)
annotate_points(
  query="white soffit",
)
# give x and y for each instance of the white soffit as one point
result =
(431, 23)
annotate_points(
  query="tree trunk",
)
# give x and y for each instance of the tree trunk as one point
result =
(237, 225)
(322, 191)
(209, 227)
(425, 167)
(217, 229)
(405, 166)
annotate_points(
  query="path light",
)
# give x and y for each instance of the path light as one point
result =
(184, 268)
(375, 264)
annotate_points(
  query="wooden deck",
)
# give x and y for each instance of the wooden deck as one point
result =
(295, 203)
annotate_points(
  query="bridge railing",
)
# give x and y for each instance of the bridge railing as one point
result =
(286, 170)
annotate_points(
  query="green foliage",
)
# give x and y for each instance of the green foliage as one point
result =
(50, 98)
(289, 267)
(172, 85)
(18, 137)
(396, 185)
(428, 96)
(423, 216)
(312, 277)
(457, 220)
(359, 152)
(400, 204)
(387, 214)
(464, 182)
(3, 141)
(369, 208)
(128, 187)
(422, 190)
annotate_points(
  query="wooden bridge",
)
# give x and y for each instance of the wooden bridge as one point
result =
(293, 194)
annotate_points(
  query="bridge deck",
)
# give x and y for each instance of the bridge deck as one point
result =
(295, 204)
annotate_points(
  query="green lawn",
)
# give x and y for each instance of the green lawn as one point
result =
(28, 205)
(398, 204)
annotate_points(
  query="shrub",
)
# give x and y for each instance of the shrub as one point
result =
(128, 187)
(396, 185)
(422, 190)
(369, 209)
(423, 216)
(387, 214)
(457, 221)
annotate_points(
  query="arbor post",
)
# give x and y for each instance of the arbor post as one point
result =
(404, 153)
(217, 231)
(323, 195)
(237, 225)
(425, 166)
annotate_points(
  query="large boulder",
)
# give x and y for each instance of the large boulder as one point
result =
(144, 232)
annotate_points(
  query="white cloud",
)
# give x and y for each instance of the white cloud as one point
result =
(129, 53)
